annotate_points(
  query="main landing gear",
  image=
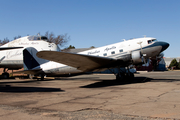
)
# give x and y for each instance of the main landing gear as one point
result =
(124, 74)
(40, 78)
(5, 74)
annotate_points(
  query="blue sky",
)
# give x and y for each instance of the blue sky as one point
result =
(94, 22)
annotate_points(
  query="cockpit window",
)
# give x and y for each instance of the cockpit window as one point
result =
(151, 41)
(154, 40)
(37, 38)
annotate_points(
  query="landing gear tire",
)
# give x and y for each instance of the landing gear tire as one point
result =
(42, 77)
(130, 77)
(120, 76)
(5, 75)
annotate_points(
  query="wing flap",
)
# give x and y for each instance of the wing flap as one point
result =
(79, 61)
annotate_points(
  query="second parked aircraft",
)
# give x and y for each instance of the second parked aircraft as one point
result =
(13, 59)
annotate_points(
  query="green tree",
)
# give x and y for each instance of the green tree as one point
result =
(174, 63)
(71, 47)
(178, 65)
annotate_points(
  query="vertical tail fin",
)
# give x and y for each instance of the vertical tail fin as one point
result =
(30, 59)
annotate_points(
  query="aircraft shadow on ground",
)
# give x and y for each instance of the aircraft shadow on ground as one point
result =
(9, 88)
(83, 78)
(27, 81)
(163, 80)
(106, 83)
(100, 83)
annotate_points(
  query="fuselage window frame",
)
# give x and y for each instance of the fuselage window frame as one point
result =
(105, 54)
(121, 50)
(113, 52)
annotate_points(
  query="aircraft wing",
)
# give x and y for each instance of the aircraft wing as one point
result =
(79, 61)
(8, 48)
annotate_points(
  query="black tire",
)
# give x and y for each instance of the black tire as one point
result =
(5, 75)
(120, 76)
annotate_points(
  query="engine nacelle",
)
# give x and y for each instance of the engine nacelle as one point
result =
(136, 57)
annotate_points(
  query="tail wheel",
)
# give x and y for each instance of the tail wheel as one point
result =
(42, 77)
(5, 75)
(31, 76)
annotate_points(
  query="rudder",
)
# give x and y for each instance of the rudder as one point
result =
(30, 59)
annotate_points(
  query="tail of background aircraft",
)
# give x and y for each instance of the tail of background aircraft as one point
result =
(30, 60)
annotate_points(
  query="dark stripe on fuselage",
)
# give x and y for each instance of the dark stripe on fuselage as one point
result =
(152, 45)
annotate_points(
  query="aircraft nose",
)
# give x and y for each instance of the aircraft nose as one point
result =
(164, 45)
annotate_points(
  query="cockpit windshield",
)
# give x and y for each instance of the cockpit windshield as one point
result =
(35, 38)
(151, 41)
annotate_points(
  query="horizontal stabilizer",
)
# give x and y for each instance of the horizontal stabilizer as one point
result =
(79, 61)
(35, 71)
(2, 59)
(8, 48)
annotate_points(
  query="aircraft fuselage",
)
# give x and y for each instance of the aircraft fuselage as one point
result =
(127, 52)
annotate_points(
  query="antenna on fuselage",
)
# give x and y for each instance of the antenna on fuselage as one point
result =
(124, 39)
(144, 36)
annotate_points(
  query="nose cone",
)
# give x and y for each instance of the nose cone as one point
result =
(164, 45)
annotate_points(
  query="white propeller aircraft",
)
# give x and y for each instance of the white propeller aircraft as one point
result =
(122, 54)
(13, 59)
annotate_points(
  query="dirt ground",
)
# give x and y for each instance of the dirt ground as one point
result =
(153, 95)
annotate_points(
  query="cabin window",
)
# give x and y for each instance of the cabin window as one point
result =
(113, 52)
(105, 54)
(121, 50)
